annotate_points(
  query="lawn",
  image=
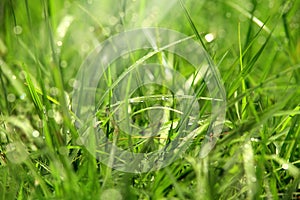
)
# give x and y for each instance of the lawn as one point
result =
(136, 99)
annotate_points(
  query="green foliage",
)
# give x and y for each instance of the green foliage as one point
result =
(256, 48)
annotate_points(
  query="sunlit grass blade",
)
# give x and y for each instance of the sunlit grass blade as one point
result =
(34, 95)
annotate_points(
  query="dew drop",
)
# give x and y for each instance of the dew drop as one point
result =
(11, 97)
(36, 183)
(18, 30)
(59, 43)
(228, 14)
(54, 91)
(285, 166)
(112, 20)
(209, 37)
(35, 133)
(254, 140)
(63, 64)
(85, 47)
(50, 113)
(33, 147)
(121, 14)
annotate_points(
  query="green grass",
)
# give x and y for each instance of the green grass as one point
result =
(256, 49)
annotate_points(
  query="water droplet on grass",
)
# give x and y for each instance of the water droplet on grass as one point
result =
(18, 30)
(54, 91)
(112, 20)
(59, 43)
(11, 98)
(23, 96)
(63, 64)
(254, 140)
(85, 47)
(35, 133)
(228, 14)
(285, 166)
(209, 37)
(50, 113)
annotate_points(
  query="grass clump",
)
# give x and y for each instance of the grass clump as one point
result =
(255, 46)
